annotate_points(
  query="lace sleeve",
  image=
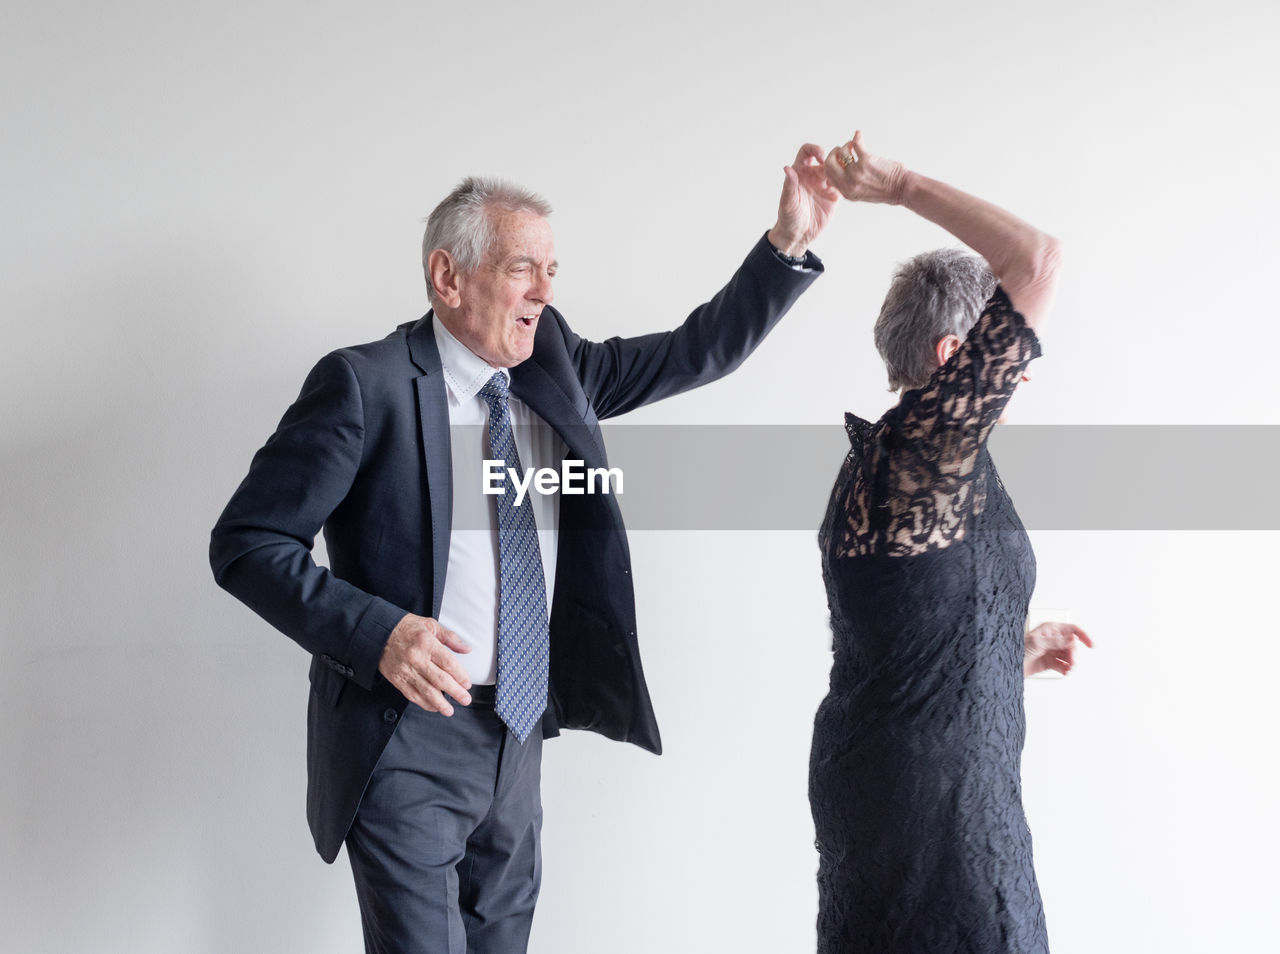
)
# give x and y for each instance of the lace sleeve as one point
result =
(919, 479)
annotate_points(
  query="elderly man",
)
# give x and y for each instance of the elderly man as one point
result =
(443, 653)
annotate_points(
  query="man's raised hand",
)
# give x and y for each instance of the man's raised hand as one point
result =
(807, 202)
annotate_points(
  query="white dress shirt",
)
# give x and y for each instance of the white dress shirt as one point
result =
(469, 605)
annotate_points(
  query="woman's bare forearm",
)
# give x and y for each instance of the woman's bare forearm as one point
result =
(1025, 259)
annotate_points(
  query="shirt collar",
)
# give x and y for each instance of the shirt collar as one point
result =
(464, 371)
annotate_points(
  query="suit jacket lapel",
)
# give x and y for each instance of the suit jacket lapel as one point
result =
(534, 385)
(433, 417)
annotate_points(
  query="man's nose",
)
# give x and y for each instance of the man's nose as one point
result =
(542, 290)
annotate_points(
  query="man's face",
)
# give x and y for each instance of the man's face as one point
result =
(501, 300)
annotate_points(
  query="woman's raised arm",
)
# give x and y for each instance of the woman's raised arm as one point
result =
(1024, 259)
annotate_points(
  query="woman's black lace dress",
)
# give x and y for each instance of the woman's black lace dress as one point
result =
(915, 771)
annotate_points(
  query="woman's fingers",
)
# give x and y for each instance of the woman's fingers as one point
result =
(856, 147)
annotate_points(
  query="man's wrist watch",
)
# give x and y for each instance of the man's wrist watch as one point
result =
(789, 259)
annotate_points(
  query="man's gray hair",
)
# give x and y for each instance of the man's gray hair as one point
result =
(462, 225)
(933, 295)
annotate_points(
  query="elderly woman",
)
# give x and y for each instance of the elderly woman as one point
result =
(915, 770)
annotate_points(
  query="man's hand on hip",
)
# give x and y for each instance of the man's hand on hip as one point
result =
(419, 662)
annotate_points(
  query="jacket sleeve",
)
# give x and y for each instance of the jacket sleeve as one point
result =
(260, 548)
(621, 374)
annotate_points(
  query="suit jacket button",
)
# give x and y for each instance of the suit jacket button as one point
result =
(390, 716)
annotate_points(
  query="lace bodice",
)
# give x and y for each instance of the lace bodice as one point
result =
(911, 482)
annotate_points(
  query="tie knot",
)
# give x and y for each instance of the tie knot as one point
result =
(495, 389)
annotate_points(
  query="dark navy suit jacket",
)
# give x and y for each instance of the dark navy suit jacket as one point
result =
(364, 454)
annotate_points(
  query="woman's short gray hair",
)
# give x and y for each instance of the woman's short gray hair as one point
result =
(933, 295)
(461, 223)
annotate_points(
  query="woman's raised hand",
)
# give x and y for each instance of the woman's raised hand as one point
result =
(863, 177)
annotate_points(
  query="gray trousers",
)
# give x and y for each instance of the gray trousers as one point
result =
(445, 847)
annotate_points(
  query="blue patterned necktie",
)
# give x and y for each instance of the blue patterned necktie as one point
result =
(523, 644)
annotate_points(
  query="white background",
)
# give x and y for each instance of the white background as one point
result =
(200, 199)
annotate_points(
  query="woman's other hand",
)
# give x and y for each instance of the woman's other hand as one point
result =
(863, 177)
(1051, 646)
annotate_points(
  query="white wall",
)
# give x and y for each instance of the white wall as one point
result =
(201, 199)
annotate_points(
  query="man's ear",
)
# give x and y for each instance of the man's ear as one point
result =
(444, 275)
(945, 348)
